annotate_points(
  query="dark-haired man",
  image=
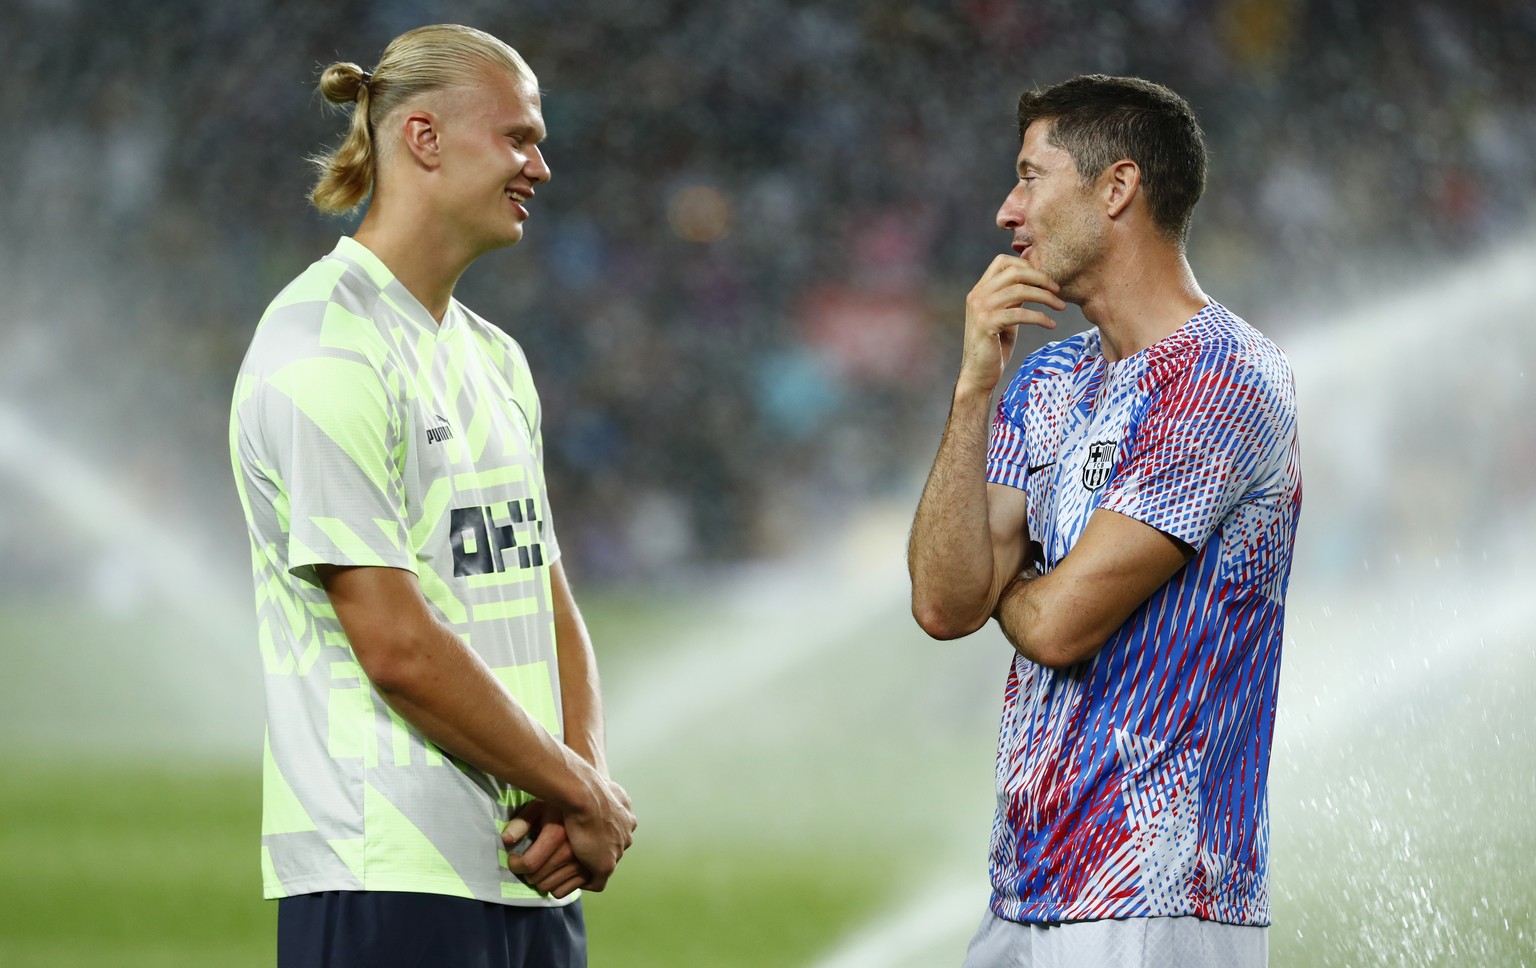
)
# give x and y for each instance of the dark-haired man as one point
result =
(1129, 523)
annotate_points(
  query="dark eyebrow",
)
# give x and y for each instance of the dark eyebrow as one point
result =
(1026, 165)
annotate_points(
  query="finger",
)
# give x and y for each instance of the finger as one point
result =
(596, 882)
(563, 857)
(551, 837)
(1003, 324)
(601, 866)
(565, 889)
(1009, 320)
(534, 811)
(518, 866)
(549, 881)
(525, 819)
(999, 264)
(516, 829)
(1020, 293)
(1009, 271)
(1017, 270)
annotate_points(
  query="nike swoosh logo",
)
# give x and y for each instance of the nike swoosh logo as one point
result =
(1039, 467)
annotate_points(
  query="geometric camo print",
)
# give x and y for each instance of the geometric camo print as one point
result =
(365, 433)
(1135, 783)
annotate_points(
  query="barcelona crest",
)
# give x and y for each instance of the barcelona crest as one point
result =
(1101, 460)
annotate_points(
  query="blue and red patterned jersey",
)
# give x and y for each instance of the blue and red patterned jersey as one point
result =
(1134, 784)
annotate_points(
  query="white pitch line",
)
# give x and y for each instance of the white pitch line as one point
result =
(778, 617)
(912, 930)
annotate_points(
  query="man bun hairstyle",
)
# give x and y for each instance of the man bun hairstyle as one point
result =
(343, 83)
(415, 63)
(1099, 120)
(346, 174)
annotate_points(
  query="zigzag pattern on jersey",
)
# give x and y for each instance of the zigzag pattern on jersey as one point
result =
(1035, 387)
(1135, 784)
(1099, 817)
(364, 392)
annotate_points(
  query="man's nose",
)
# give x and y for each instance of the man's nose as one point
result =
(1010, 216)
(537, 169)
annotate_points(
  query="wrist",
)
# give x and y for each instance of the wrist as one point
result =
(971, 393)
(590, 750)
(581, 790)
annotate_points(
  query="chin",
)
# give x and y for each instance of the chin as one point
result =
(505, 239)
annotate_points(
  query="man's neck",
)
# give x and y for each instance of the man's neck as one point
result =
(419, 252)
(1145, 296)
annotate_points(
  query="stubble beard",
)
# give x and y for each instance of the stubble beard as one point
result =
(1078, 249)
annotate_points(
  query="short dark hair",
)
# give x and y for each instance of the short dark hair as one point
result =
(1100, 120)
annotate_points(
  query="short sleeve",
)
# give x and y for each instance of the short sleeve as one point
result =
(333, 432)
(1007, 454)
(1202, 441)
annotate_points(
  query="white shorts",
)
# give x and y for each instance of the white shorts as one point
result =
(1185, 942)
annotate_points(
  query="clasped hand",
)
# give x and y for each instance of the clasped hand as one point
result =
(564, 854)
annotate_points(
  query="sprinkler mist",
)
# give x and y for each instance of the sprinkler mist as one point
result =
(1405, 756)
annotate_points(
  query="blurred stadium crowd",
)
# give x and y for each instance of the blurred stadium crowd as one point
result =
(741, 291)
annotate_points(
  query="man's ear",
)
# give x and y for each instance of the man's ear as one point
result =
(421, 138)
(1119, 184)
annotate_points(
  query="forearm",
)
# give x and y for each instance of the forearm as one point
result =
(438, 685)
(580, 692)
(967, 540)
(1021, 614)
(1051, 619)
(451, 697)
(1066, 615)
(949, 555)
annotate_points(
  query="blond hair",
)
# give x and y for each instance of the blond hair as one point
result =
(415, 63)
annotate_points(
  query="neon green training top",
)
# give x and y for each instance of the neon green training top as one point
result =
(365, 433)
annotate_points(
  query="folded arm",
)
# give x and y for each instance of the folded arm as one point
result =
(1066, 615)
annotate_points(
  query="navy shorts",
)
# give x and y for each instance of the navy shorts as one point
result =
(387, 929)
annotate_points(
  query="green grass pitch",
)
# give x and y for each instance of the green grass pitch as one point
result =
(1404, 836)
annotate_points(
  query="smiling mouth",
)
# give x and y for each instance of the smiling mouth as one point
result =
(517, 199)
